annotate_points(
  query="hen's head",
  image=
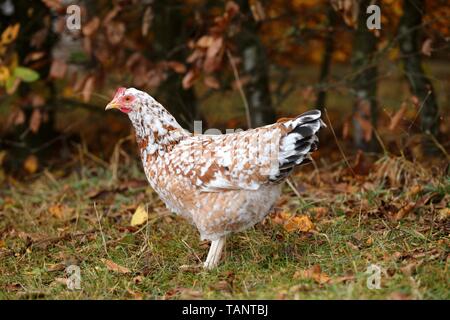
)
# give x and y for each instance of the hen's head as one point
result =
(130, 101)
(145, 113)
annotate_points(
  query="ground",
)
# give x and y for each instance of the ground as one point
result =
(317, 244)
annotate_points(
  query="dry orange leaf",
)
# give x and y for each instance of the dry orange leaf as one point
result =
(60, 211)
(10, 34)
(319, 212)
(115, 267)
(315, 273)
(56, 211)
(444, 214)
(298, 223)
(403, 211)
(56, 267)
(31, 164)
(140, 216)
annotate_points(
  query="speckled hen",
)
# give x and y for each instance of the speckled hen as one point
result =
(220, 183)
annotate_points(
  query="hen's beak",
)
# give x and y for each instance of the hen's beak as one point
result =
(112, 105)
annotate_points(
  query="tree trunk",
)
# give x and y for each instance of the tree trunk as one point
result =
(326, 59)
(364, 83)
(255, 65)
(170, 34)
(420, 85)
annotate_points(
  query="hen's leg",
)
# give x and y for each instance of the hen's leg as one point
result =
(214, 254)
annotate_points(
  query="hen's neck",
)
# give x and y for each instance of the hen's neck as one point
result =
(157, 130)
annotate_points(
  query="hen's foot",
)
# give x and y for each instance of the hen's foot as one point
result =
(214, 254)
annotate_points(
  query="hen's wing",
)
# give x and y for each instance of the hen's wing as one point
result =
(247, 159)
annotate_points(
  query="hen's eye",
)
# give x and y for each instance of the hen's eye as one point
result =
(127, 98)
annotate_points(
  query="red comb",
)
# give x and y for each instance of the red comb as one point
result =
(119, 91)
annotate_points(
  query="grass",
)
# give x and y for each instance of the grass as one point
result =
(82, 217)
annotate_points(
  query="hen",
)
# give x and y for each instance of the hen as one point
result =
(220, 183)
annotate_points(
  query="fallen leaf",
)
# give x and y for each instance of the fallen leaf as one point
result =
(10, 34)
(140, 216)
(114, 266)
(56, 267)
(403, 211)
(60, 211)
(62, 281)
(135, 295)
(190, 268)
(414, 190)
(299, 223)
(13, 286)
(343, 279)
(315, 273)
(443, 214)
(137, 279)
(222, 285)
(187, 293)
(31, 164)
(318, 212)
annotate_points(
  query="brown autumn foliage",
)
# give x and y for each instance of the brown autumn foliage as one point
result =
(50, 71)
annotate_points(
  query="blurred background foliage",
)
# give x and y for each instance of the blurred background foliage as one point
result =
(383, 90)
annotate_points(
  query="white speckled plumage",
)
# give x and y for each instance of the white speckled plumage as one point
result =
(220, 183)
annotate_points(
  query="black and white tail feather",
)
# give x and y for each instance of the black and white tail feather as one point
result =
(296, 146)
